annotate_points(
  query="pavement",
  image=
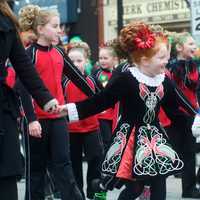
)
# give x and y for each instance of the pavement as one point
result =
(173, 189)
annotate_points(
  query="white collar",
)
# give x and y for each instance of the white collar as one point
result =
(147, 80)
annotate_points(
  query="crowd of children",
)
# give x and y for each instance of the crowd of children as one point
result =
(122, 117)
(140, 151)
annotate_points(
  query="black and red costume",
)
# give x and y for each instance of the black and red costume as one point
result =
(52, 64)
(140, 148)
(84, 137)
(185, 75)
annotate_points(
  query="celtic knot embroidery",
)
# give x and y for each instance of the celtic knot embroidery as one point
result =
(115, 151)
(153, 153)
(151, 100)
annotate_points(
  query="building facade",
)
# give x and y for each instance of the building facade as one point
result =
(174, 15)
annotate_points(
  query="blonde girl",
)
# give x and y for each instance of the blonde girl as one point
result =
(107, 61)
(49, 139)
(185, 73)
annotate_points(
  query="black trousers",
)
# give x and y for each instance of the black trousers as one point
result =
(134, 188)
(92, 146)
(106, 132)
(184, 144)
(8, 188)
(53, 147)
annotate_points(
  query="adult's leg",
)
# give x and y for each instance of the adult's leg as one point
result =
(93, 147)
(60, 155)
(8, 188)
(76, 150)
(132, 190)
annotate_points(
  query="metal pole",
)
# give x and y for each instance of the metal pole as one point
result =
(101, 21)
(119, 15)
(187, 2)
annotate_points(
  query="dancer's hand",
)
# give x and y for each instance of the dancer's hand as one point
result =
(51, 106)
(62, 110)
(35, 129)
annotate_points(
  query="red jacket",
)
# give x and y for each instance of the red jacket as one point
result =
(52, 65)
(185, 74)
(49, 64)
(74, 94)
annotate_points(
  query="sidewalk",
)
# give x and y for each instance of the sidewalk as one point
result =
(173, 190)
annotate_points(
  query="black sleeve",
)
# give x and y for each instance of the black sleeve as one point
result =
(74, 74)
(114, 91)
(122, 67)
(97, 84)
(27, 73)
(26, 101)
(173, 100)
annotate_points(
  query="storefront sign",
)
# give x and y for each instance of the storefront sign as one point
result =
(158, 11)
(195, 19)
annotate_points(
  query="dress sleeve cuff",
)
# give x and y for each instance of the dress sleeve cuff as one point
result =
(196, 126)
(72, 112)
(50, 104)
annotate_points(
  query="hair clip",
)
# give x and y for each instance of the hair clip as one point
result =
(144, 39)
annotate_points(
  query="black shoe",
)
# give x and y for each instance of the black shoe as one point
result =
(98, 186)
(195, 194)
(77, 193)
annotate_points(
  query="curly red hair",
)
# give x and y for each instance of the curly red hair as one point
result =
(137, 44)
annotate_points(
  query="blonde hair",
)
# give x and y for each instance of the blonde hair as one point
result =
(181, 38)
(109, 46)
(178, 39)
(83, 47)
(32, 16)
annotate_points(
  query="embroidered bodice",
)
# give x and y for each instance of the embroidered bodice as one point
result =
(140, 98)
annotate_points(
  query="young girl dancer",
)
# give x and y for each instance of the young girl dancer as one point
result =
(84, 135)
(184, 71)
(107, 61)
(140, 149)
(48, 136)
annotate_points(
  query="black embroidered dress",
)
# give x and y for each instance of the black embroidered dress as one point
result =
(140, 97)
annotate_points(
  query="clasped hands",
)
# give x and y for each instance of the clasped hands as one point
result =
(196, 128)
(51, 107)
